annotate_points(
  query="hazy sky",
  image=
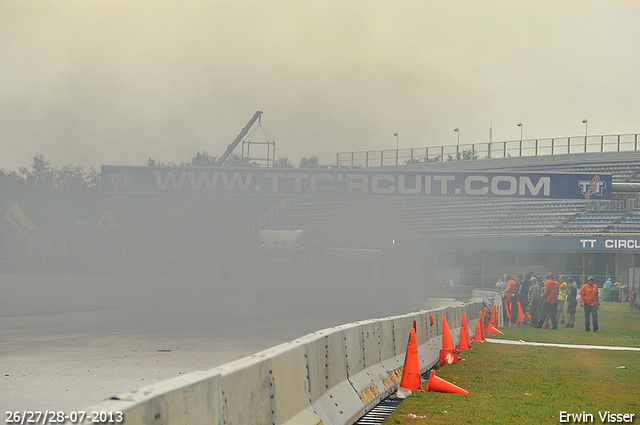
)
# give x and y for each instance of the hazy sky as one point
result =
(117, 81)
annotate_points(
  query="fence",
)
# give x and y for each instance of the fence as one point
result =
(513, 148)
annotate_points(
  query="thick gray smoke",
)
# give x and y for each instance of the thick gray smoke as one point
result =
(114, 82)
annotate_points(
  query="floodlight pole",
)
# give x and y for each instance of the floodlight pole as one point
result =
(457, 130)
(397, 145)
(521, 127)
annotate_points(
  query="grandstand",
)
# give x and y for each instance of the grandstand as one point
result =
(213, 236)
(457, 226)
(417, 218)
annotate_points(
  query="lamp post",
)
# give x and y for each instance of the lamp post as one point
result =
(397, 145)
(521, 127)
(586, 125)
(457, 130)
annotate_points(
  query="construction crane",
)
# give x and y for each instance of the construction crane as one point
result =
(238, 139)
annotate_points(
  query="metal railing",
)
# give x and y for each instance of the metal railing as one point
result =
(255, 225)
(513, 148)
(614, 206)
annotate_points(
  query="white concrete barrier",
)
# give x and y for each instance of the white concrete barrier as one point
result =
(292, 386)
(340, 403)
(331, 377)
(247, 391)
(372, 382)
(189, 399)
(392, 350)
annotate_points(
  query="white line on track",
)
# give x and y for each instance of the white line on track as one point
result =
(548, 344)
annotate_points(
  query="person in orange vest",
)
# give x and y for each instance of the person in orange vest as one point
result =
(550, 298)
(590, 300)
(509, 292)
(562, 297)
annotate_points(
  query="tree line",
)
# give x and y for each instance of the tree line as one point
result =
(204, 159)
(42, 180)
(72, 182)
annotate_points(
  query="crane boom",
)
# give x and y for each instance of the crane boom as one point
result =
(238, 139)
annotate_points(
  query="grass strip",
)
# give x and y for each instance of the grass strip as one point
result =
(532, 385)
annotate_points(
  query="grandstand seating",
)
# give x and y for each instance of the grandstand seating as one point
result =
(359, 218)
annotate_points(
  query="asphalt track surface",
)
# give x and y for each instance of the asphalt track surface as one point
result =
(71, 360)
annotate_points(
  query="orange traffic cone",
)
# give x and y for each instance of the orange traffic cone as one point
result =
(482, 326)
(411, 377)
(520, 313)
(492, 330)
(447, 341)
(440, 385)
(465, 341)
(486, 318)
(494, 317)
(478, 335)
(448, 354)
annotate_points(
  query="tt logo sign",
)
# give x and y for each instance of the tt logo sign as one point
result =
(120, 180)
(592, 187)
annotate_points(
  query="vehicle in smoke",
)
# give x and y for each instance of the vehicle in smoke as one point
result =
(281, 265)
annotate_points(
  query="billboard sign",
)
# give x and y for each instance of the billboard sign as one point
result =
(291, 182)
(550, 243)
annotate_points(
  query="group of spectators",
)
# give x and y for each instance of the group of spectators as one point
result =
(537, 301)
